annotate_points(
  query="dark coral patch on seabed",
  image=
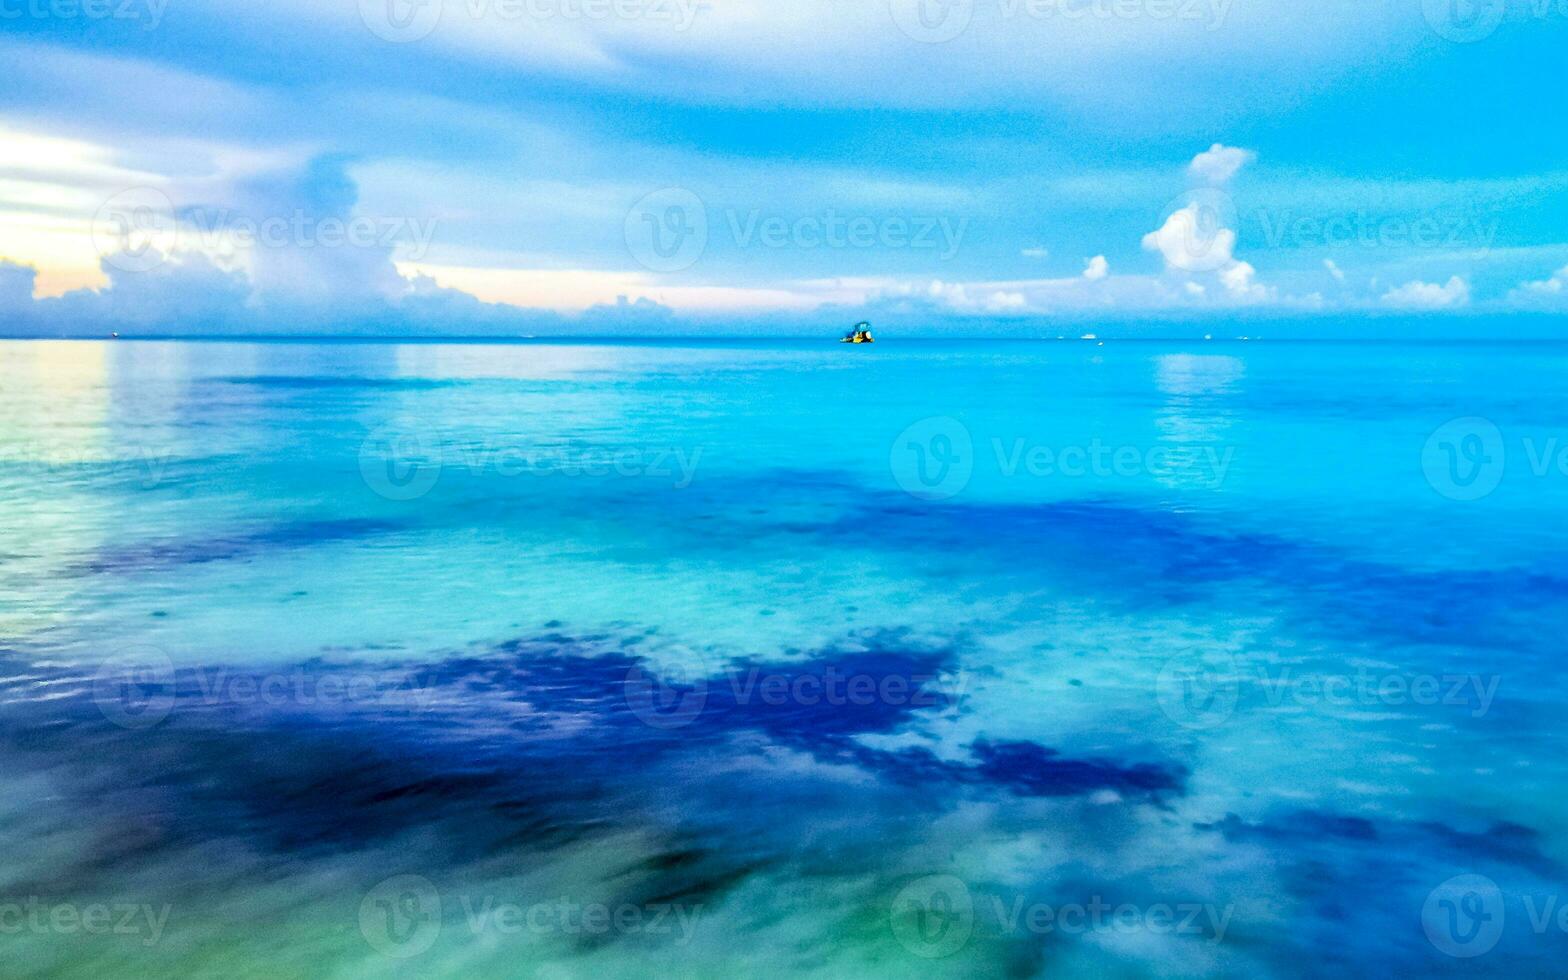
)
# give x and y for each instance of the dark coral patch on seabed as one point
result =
(540, 733)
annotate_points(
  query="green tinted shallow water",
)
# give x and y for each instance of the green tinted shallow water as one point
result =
(1265, 633)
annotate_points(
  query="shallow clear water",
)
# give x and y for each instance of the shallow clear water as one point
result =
(767, 659)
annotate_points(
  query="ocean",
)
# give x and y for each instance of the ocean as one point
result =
(783, 658)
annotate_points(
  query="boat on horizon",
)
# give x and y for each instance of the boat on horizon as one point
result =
(860, 335)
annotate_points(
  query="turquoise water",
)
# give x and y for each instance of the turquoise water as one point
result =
(782, 658)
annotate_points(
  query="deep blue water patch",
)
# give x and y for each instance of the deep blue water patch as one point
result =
(1136, 556)
(531, 745)
(1035, 770)
(172, 552)
(1353, 877)
(1501, 843)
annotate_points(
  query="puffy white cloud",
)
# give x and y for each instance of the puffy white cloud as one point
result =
(1096, 269)
(1219, 163)
(1196, 239)
(1420, 295)
(1231, 287)
(303, 274)
(985, 298)
(1557, 285)
(1542, 294)
(1023, 296)
(1334, 270)
(188, 294)
(180, 294)
(1193, 240)
(1238, 281)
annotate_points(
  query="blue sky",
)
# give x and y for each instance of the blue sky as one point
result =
(647, 166)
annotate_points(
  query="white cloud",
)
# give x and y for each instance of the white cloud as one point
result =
(1334, 270)
(1192, 239)
(1238, 277)
(1550, 293)
(189, 290)
(1419, 295)
(1035, 253)
(1235, 286)
(1554, 286)
(1096, 269)
(1023, 296)
(1219, 163)
(1194, 243)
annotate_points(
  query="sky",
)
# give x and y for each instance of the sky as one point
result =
(518, 167)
